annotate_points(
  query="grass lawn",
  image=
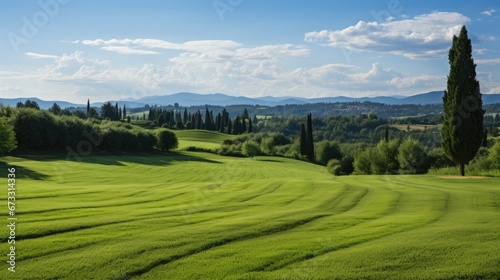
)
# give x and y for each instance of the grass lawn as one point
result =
(200, 139)
(202, 216)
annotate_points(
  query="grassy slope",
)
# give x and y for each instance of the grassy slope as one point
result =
(200, 138)
(201, 216)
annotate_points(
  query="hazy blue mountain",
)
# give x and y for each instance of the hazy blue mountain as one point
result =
(42, 103)
(218, 99)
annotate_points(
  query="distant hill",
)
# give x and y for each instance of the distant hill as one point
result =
(187, 99)
(42, 103)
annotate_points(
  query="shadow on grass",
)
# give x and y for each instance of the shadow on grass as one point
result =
(270, 160)
(21, 172)
(118, 158)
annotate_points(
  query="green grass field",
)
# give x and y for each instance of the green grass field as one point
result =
(203, 216)
(200, 139)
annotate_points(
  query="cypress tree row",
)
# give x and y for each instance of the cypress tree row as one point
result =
(462, 132)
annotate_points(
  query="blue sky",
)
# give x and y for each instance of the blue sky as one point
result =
(106, 50)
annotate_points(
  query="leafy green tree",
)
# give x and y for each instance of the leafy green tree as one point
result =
(326, 150)
(268, 145)
(362, 163)
(494, 156)
(8, 141)
(92, 113)
(411, 157)
(309, 139)
(167, 140)
(462, 131)
(28, 104)
(384, 158)
(251, 148)
(55, 109)
(79, 114)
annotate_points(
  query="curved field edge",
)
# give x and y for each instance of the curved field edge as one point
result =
(201, 216)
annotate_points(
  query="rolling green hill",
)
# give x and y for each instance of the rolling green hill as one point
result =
(200, 138)
(202, 216)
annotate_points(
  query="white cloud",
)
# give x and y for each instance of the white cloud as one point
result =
(36, 55)
(494, 90)
(489, 12)
(127, 50)
(422, 37)
(491, 61)
(254, 71)
(192, 46)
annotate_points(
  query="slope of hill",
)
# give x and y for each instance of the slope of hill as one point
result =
(203, 216)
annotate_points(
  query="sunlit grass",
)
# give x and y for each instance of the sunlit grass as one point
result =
(202, 216)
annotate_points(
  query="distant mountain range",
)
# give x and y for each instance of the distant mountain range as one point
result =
(218, 99)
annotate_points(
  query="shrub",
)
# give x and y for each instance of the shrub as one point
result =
(327, 150)
(167, 140)
(411, 157)
(251, 148)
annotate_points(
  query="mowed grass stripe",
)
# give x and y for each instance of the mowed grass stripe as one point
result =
(198, 215)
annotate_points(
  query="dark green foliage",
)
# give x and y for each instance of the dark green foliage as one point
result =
(109, 111)
(327, 150)
(462, 131)
(309, 139)
(386, 133)
(88, 108)
(55, 109)
(8, 141)
(28, 104)
(167, 140)
(303, 140)
(41, 130)
(251, 148)
(79, 114)
(411, 157)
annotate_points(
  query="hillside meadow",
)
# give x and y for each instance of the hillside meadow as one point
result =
(202, 216)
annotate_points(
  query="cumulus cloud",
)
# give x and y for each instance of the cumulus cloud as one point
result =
(247, 71)
(422, 37)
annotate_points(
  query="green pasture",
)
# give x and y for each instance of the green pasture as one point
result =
(200, 139)
(203, 216)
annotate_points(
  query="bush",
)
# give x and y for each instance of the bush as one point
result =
(167, 140)
(384, 158)
(362, 163)
(327, 150)
(267, 146)
(334, 167)
(411, 157)
(251, 148)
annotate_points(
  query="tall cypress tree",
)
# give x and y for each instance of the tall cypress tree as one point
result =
(124, 112)
(250, 128)
(309, 139)
(303, 140)
(88, 107)
(463, 130)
